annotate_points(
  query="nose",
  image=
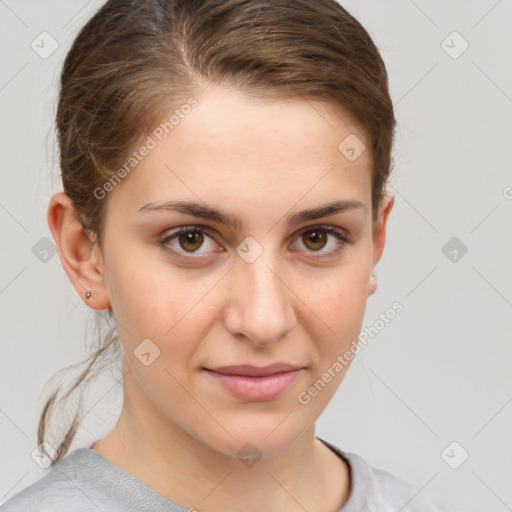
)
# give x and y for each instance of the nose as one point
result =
(260, 307)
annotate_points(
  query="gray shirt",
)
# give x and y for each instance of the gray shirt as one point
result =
(86, 481)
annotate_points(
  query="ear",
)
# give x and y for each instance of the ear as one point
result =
(80, 255)
(379, 235)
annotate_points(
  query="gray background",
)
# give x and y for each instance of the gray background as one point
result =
(439, 372)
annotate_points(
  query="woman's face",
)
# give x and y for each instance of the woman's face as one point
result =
(281, 282)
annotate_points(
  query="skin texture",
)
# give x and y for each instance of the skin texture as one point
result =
(299, 302)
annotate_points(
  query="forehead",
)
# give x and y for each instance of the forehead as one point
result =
(268, 153)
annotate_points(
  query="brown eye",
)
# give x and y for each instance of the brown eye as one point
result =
(326, 241)
(315, 240)
(191, 241)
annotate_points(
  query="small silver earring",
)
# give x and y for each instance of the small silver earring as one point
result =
(88, 294)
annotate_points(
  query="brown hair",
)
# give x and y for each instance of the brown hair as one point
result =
(135, 60)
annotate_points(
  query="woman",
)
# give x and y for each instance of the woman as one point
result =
(224, 167)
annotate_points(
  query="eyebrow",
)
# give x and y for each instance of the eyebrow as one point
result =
(207, 212)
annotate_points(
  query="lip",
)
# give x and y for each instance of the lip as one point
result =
(256, 384)
(250, 370)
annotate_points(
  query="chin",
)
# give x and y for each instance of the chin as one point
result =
(249, 439)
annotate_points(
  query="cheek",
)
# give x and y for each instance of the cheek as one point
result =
(152, 299)
(337, 302)
(149, 299)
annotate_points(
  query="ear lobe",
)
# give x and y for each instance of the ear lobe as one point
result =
(80, 256)
(372, 284)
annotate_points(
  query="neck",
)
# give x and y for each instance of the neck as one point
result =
(306, 476)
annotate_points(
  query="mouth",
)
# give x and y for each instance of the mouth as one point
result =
(255, 384)
(249, 370)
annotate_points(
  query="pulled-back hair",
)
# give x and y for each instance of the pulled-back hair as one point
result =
(137, 60)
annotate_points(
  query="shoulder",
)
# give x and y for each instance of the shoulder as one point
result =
(86, 481)
(57, 491)
(375, 489)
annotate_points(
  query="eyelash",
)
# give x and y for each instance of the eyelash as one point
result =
(338, 234)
